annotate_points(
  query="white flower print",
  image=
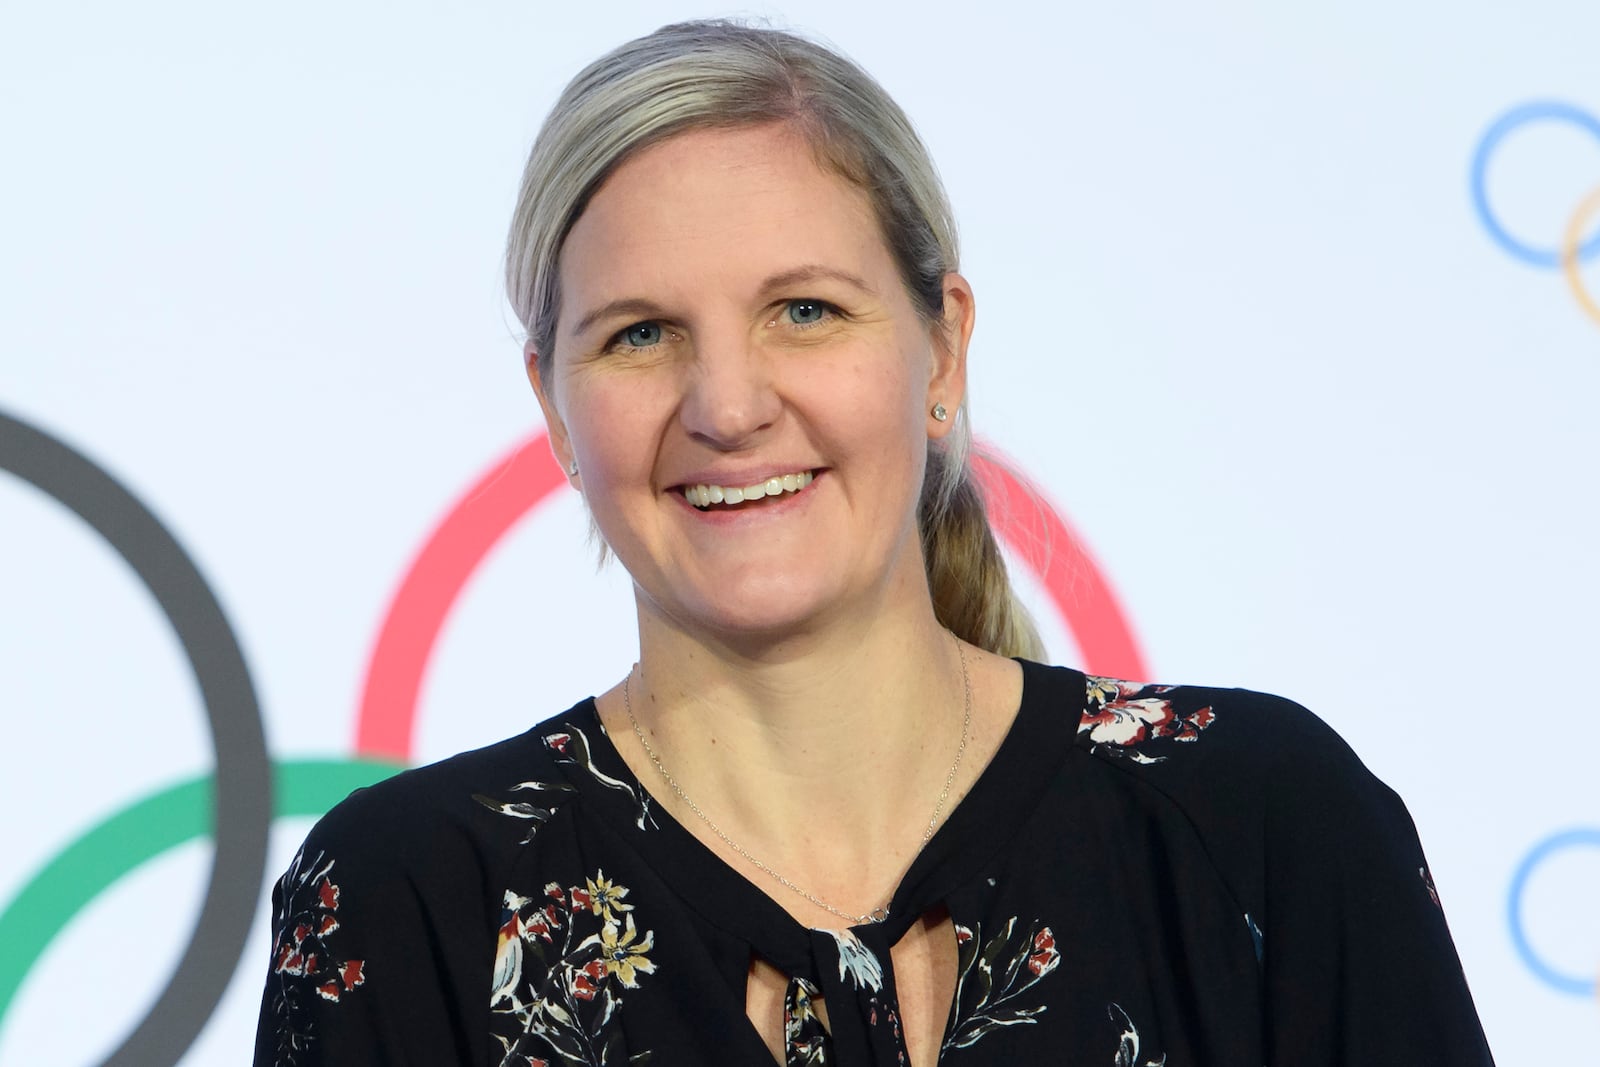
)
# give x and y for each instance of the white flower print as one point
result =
(857, 962)
(1128, 1046)
(1121, 716)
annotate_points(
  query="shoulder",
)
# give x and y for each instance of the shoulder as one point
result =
(434, 824)
(1320, 855)
(1260, 778)
(1179, 731)
(1272, 791)
(434, 800)
(385, 922)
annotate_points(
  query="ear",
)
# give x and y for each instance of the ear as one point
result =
(947, 384)
(560, 443)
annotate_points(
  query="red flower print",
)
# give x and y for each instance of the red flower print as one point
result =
(1121, 716)
(559, 742)
(994, 978)
(347, 977)
(558, 988)
(1044, 957)
(541, 922)
(586, 981)
(304, 960)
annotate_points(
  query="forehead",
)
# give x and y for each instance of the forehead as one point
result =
(718, 207)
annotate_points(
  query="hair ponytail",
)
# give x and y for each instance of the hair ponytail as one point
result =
(972, 594)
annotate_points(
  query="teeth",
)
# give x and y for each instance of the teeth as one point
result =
(703, 496)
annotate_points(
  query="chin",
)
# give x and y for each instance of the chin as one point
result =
(762, 612)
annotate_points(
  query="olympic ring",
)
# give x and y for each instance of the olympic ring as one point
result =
(1582, 987)
(1570, 253)
(513, 486)
(243, 806)
(526, 477)
(1497, 132)
(140, 832)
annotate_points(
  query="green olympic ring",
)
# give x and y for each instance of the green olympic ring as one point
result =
(138, 834)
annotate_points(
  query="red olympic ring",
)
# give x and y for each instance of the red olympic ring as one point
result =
(525, 478)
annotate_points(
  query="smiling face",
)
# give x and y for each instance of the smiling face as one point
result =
(732, 326)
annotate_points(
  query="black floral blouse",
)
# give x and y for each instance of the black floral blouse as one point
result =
(1144, 876)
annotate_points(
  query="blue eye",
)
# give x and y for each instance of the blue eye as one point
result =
(641, 335)
(807, 312)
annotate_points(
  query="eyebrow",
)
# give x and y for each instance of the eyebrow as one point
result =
(811, 272)
(632, 307)
(635, 307)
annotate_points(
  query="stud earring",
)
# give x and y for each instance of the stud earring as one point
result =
(940, 413)
(572, 469)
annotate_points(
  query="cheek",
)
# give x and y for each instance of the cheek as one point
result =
(867, 412)
(608, 421)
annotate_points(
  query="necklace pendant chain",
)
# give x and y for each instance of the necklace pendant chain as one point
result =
(876, 915)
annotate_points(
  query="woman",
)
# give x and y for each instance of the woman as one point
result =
(826, 819)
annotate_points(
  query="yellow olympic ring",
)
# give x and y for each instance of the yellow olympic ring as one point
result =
(1571, 245)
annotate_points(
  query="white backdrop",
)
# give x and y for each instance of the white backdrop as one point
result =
(1325, 422)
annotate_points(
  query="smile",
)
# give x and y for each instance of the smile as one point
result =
(706, 496)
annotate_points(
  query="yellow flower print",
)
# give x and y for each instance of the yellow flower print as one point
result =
(624, 956)
(604, 897)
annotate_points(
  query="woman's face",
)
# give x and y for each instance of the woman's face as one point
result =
(730, 317)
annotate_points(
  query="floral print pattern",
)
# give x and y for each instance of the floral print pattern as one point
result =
(857, 962)
(548, 800)
(1120, 717)
(571, 745)
(805, 1041)
(562, 962)
(882, 1014)
(1128, 1043)
(303, 958)
(992, 978)
(1433, 892)
(439, 938)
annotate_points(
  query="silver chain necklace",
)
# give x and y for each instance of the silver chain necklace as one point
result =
(876, 915)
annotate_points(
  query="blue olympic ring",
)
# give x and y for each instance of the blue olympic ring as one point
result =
(1519, 116)
(1581, 987)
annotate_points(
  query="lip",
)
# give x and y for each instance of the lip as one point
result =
(738, 478)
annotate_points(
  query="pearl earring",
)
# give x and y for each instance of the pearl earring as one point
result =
(940, 413)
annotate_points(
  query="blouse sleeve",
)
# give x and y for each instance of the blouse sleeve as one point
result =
(1358, 963)
(378, 950)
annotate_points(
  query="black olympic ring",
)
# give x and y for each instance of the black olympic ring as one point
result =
(243, 779)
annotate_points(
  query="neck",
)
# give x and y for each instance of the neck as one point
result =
(823, 755)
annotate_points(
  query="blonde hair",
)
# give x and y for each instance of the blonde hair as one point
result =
(723, 74)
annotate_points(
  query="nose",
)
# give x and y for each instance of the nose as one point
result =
(730, 396)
